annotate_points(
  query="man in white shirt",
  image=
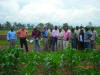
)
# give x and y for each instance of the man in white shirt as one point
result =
(60, 40)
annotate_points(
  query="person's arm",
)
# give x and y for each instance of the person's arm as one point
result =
(96, 34)
(18, 32)
(8, 36)
(69, 36)
(15, 37)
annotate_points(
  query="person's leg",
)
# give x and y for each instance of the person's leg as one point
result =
(64, 44)
(35, 45)
(91, 44)
(53, 43)
(21, 43)
(26, 46)
(13, 43)
(58, 44)
(61, 44)
(38, 44)
(72, 44)
(46, 43)
(94, 44)
(10, 43)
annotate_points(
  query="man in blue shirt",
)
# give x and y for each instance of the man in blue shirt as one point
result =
(11, 37)
(87, 37)
(45, 38)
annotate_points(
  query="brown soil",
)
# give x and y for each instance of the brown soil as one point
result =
(32, 49)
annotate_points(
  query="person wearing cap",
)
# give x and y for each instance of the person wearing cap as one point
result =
(11, 37)
(87, 37)
(23, 34)
(45, 38)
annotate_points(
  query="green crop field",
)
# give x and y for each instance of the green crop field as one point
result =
(13, 61)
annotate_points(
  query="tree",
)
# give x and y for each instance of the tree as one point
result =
(40, 25)
(15, 25)
(7, 25)
(49, 25)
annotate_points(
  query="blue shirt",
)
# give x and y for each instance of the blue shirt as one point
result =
(86, 36)
(45, 33)
(11, 35)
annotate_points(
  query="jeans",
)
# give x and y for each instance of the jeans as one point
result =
(74, 44)
(37, 44)
(54, 42)
(87, 45)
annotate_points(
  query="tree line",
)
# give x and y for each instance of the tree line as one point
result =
(16, 25)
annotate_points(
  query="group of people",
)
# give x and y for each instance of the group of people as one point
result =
(84, 38)
(55, 39)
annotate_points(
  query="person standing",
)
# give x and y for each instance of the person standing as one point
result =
(93, 38)
(74, 39)
(45, 38)
(81, 39)
(77, 31)
(54, 38)
(11, 37)
(50, 38)
(23, 34)
(67, 37)
(87, 37)
(60, 40)
(36, 34)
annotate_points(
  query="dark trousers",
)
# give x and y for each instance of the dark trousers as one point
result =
(87, 45)
(74, 44)
(81, 44)
(50, 43)
(54, 42)
(23, 41)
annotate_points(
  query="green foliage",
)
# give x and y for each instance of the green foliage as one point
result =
(14, 61)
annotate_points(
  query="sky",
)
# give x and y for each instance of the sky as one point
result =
(73, 12)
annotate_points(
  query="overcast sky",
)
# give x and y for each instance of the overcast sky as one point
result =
(74, 12)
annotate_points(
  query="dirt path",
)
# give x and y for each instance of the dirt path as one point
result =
(98, 47)
(29, 47)
(32, 49)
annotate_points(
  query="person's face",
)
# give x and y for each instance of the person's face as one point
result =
(77, 28)
(23, 28)
(56, 28)
(12, 29)
(92, 29)
(60, 30)
(65, 28)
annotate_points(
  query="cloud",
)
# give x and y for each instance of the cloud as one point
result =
(75, 12)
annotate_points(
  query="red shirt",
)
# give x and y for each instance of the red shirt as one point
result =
(22, 33)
